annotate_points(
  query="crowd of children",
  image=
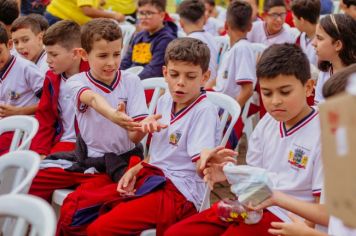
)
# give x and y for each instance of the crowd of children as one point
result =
(92, 112)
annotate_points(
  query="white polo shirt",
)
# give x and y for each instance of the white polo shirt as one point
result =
(100, 134)
(207, 38)
(20, 82)
(258, 34)
(292, 157)
(175, 149)
(308, 48)
(238, 66)
(213, 25)
(337, 228)
(322, 78)
(41, 62)
(66, 108)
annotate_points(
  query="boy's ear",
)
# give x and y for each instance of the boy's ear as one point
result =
(163, 15)
(10, 44)
(83, 54)
(309, 86)
(264, 15)
(181, 22)
(206, 76)
(40, 37)
(165, 72)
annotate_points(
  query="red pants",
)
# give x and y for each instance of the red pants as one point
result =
(158, 209)
(5, 142)
(207, 223)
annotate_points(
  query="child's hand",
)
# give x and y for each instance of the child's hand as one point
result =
(123, 120)
(214, 174)
(8, 110)
(271, 201)
(151, 124)
(126, 185)
(217, 155)
(296, 228)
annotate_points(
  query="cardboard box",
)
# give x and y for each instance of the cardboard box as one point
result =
(338, 135)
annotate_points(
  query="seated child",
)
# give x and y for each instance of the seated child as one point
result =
(27, 36)
(174, 152)
(20, 86)
(55, 112)
(335, 45)
(9, 11)
(286, 142)
(306, 16)
(148, 46)
(110, 109)
(349, 7)
(192, 20)
(272, 30)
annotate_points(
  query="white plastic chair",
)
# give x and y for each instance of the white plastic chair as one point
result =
(223, 43)
(135, 69)
(25, 128)
(26, 164)
(128, 32)
(33, 210)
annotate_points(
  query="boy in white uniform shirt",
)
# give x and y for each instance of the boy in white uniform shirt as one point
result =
(272, 30)
(286, 142)
(192, 20)
(27, 34)
(175, 152)
(306, 16)
(20, 86)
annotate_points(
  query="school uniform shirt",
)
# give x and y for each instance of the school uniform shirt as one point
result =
(207, 38)
(41, 62)
(66, 111)
(238, 67)
(337, 228)
(221, 13)
(100, 134)
(292, 157)
(305, 43)
(176, 149)
(259, 34)
(20, 83)
(322, 78)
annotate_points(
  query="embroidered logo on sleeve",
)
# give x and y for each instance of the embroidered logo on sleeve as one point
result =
(141, 53)
(298, 158)
(174, 138)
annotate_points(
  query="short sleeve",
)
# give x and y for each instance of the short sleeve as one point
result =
(203, 132)
(34, 78)
(245, 65)
(77, 87)
(136, 103)
(255, 146)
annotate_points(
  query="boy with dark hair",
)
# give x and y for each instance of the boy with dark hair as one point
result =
(104, 98)
(9, 11)
(55, 111)
(148, 46)
(306, 16)
(20, 87)
(174, 153)
(27, 36)
(192, 20)
(286, 142)
(349, 7)
(272, 30)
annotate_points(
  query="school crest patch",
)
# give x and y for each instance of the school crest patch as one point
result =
(174, 138)
(14, 96)
(298, 158)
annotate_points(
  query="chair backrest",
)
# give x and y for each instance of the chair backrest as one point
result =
(135, 69)
(128, 32)
(158, 84)
(223, 43)
(26, 165)
(37, 212)
(24, 128)
(231, 109)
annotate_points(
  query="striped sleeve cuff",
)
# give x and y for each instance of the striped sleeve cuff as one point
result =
(81, 106)
(316, 192)
(196, 157)
(244, 81)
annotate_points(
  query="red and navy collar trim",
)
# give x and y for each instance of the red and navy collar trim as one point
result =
(42, 54)
(64, 77)
(7, 68)
(269, 36)
(181, 113)
(104, 87)
(283, 130)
